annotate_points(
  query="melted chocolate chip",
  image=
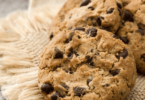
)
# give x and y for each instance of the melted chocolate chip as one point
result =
(110, 11)
(143, 57)
(98, 20)
(142, 32)
(85, 2)
(115, 36)
(123, 54)
(88, 81)
(55, 96)
(92, 32)
(91, 8)
(80, 29)
(106, 29)
(65, 86)
(58, 54)
(119, 5)
(78, 91)
(51, 36)
(125, 40)
(128, 16)
(141, 26)
(47, 88)
(115, 72)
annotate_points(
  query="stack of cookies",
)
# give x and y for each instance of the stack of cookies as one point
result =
(96, 48)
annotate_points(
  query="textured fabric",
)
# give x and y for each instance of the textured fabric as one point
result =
(23, 36)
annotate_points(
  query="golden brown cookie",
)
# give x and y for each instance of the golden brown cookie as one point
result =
(86, 64)
(104, 14)
(132, 31)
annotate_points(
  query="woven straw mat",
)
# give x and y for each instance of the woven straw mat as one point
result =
(23, 36)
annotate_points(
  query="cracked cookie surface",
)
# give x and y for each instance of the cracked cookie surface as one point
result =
(105, 14)
(86, 64)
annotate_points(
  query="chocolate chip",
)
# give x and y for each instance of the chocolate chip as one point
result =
(119, 11)
(92, 32)
(98, 19)
(47, 88)
(80, 29)
(85, 2)
(51, 36)
(115, 36)
(70, 55)
(106, 85)
(71, 72)
(79, 37)
(71, 36)
(110, 11)
(91, 8)
(141, 26)
(89, 59)
(71, 50)
(92, 50)
(124, 39)
(143, 57)
(55, 96)
(76, 54)
(106, 29)
(59, 54)
(92, 63)
(78, 91)
(66, 41)
(65, 86)
(122, 94)
(123, 54)
(88, 81)
(142, 32)
(115, 72)
(119, 5)
(128, 16)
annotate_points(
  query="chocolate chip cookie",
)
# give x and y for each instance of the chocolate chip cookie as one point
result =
(134, 36)
(86, 64)
(132, 32)
(105, 14)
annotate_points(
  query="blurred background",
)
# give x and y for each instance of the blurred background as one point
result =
(7, 6)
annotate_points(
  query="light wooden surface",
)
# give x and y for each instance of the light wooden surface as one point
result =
(8, 6)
